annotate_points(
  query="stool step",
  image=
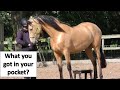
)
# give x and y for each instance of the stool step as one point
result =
(85, 71)
(82, 71)
(76, 71)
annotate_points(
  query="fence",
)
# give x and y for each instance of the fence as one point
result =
(111, 50)
(117, 47)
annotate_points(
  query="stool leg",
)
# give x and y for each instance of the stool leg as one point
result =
(85, 75)
(74, 75)
(90, 75)
(79, 75)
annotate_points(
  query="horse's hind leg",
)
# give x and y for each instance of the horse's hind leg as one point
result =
(67, 57)
(89, 53)
(97, 50)
(58, 57)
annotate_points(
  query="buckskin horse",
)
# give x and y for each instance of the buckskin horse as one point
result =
(66, 40)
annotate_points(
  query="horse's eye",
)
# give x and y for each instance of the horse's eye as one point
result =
(30, 27)
(29, 23)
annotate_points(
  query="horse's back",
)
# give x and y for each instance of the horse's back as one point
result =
(85, 34)
(96, 33)
(90, 27)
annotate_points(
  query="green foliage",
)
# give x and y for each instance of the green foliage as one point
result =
(5, 17)
(108, 21)
(8, 47)
(114, 45)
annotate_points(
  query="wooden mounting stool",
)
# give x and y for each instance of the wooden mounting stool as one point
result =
(77, 72)
(82, 71)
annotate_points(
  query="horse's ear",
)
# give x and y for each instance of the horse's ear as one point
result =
(31, 17)
(30, 20)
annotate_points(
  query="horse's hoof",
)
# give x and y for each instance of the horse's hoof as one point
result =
(61, 77)
(71, 77)
(101, 77)
(95, 77)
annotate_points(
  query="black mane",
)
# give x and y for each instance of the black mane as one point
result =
(50, 20)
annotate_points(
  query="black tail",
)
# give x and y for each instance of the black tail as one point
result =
(103, 61)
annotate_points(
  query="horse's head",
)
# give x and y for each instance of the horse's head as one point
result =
(34, 29)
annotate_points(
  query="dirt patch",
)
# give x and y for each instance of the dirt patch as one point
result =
(112, 71)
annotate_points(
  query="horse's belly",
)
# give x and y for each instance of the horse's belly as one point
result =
(80, 47)
(81, 40)
(76, 50)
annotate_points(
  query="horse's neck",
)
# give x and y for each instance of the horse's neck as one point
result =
(65, 27)
(51, 31)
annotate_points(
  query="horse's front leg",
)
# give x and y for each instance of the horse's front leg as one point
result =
(67, 57)
(58, 57)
